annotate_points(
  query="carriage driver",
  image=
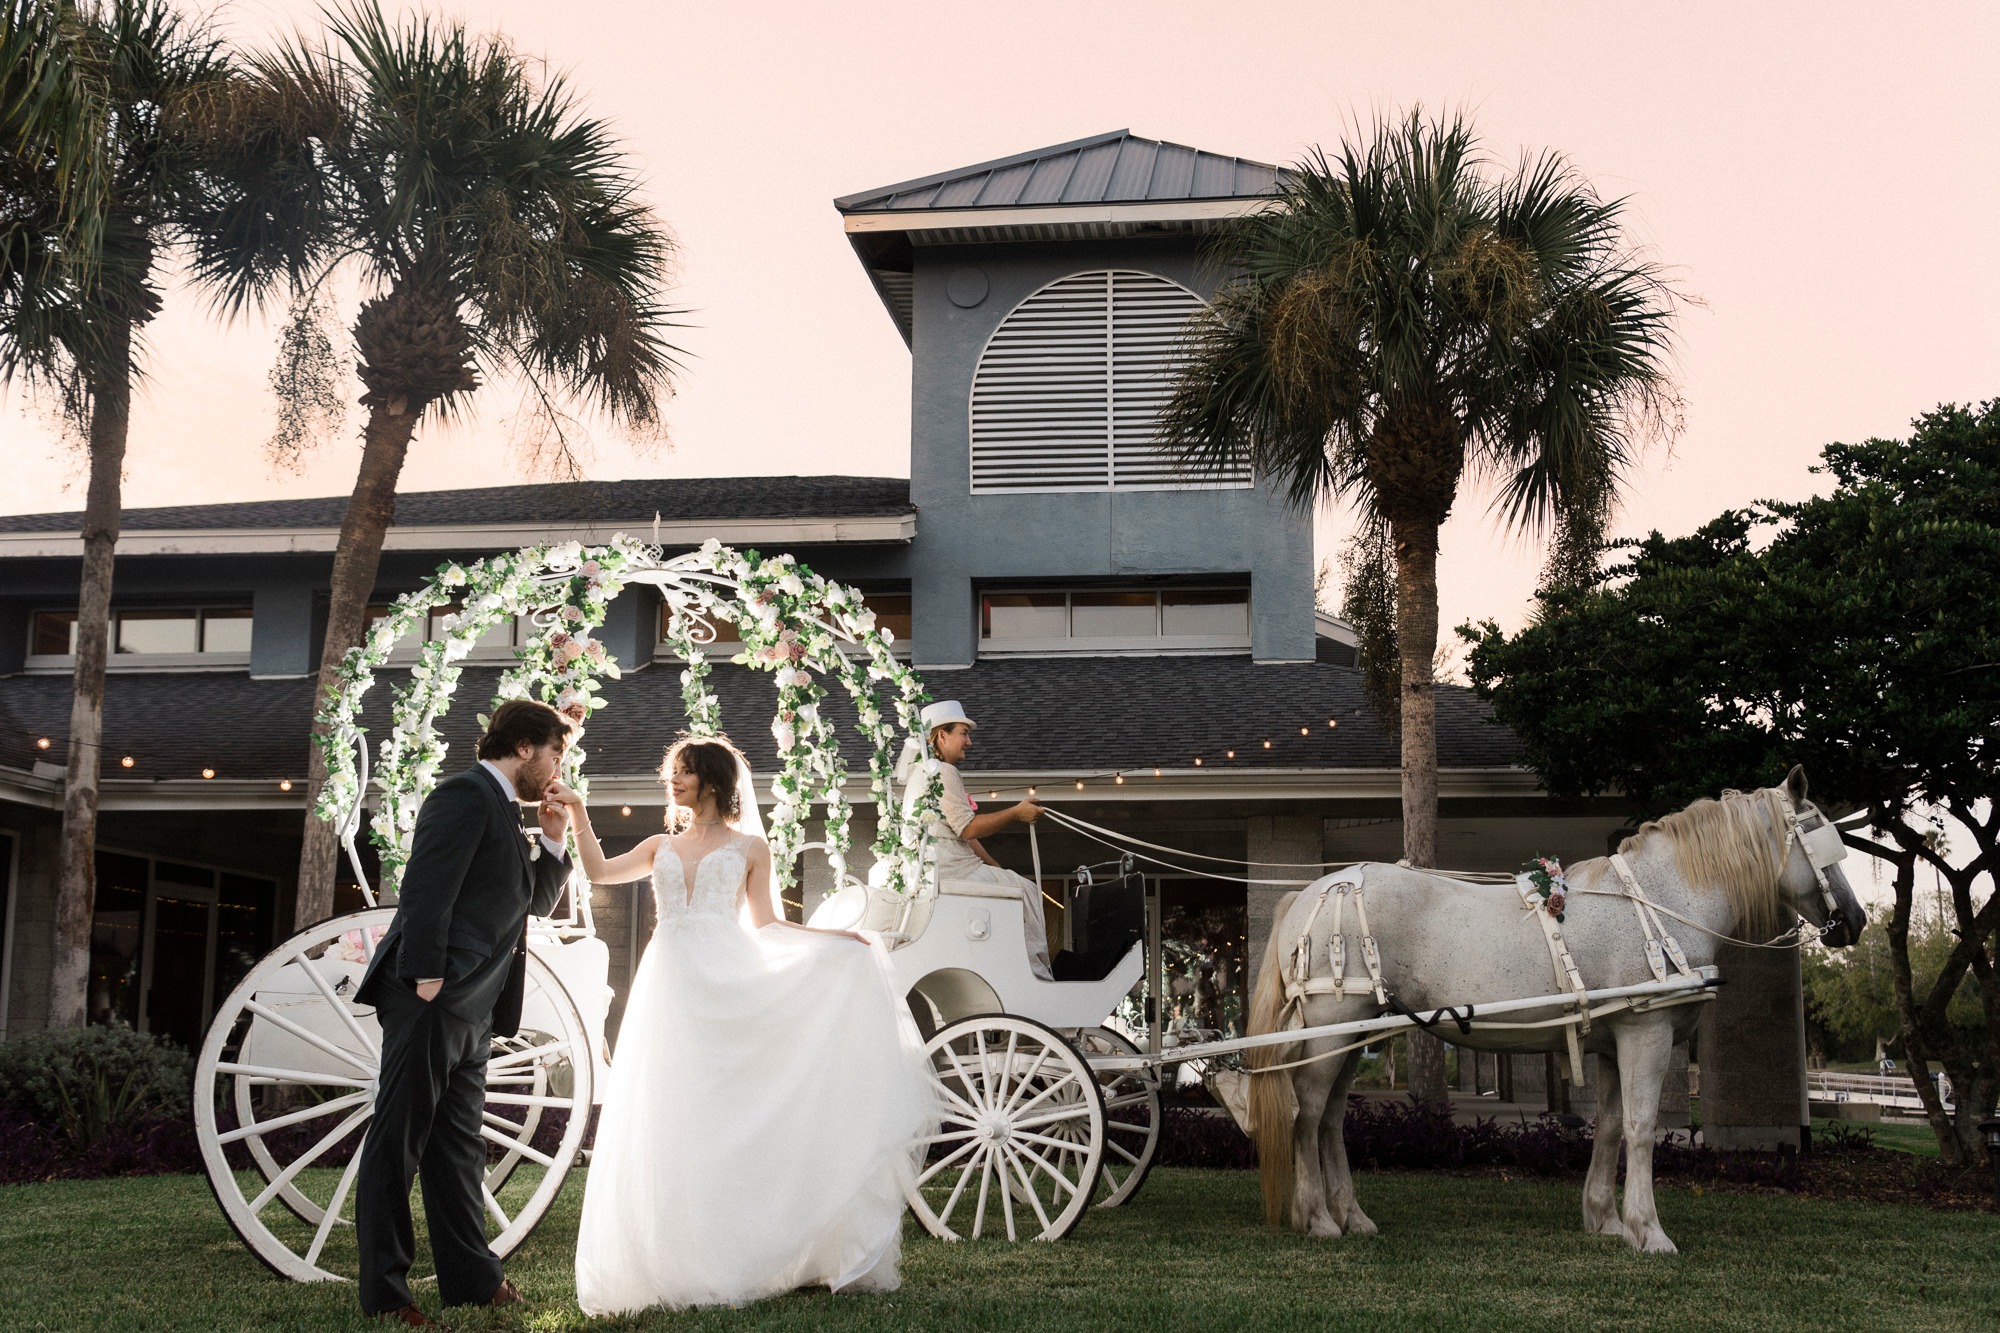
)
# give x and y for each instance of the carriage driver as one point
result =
(959, 853)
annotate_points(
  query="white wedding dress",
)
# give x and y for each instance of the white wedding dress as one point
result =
(765, 1093)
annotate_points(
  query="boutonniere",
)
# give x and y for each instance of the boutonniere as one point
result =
(533, 835)
(1545, 878)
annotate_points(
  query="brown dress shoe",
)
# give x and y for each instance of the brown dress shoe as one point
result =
(508, 1294)
(409, 1316)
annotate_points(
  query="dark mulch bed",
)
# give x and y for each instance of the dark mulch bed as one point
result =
(1387, 1135)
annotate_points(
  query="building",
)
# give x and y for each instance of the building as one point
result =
(1139, 646)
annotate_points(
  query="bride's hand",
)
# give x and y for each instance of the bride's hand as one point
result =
(562, 794)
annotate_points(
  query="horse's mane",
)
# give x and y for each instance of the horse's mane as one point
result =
(1729, 845)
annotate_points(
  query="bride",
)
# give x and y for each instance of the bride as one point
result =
(767, 1084)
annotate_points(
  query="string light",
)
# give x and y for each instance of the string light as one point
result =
(1197, 761)
(1079, 786)
(126, 762)
(1267, 745)
(1120, 779)
(1031, 791)
(42, 744)
(625, 810)
(992, 795)
(208, 772)
(1305, 731)
(1232, 754)
(284, 784)
(1156, 772)
(1331, 723)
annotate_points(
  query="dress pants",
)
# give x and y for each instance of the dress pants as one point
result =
(427, 1119)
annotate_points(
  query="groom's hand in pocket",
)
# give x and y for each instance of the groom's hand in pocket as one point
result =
(428, 990)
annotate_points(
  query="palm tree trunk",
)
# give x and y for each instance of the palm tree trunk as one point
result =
(1416, 546)
(76, 891)
(370, 511)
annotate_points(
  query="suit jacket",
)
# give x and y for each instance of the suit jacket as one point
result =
(462, 914)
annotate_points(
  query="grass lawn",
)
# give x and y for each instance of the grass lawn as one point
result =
(1189, 1252)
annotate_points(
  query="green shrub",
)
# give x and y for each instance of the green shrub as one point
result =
(84, 1081)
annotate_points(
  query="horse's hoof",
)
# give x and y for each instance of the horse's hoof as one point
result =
(1655, 1242)
(1359, 1224)
(1609, 1225)
(1325, 1228)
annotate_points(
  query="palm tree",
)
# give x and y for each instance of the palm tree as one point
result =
(497, 228)
(1406, 315)
(92, 201)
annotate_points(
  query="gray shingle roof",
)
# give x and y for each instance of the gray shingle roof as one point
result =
(601, 502)
(1049, 714)
(1118, 167)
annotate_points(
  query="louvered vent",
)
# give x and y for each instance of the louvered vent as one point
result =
(1069, 390)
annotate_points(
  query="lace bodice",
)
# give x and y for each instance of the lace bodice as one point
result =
(718, 883)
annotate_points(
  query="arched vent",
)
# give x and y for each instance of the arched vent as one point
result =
(1068, 393)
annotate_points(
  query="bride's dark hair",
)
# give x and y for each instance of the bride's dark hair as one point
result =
(712, 761)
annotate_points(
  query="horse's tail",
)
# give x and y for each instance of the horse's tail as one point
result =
(1272, 1105)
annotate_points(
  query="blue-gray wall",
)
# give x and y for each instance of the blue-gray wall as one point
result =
(965, 540)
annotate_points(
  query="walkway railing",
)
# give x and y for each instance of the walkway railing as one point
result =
(1895, 1090)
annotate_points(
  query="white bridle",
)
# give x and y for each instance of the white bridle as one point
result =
(1823, 846)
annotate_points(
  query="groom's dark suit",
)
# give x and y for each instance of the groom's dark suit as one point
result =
(462, 915)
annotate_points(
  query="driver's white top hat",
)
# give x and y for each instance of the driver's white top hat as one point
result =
(943, 713)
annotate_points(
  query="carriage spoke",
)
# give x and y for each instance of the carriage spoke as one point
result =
(939, 1085)
(309, 1037)
(1053, 1174)
(296, 1117)
(276, 1075)
(1006, 1192)
(513, 1058)
(1061, 1145)
(307, 1158)
(964, 1176)
(1069, 1111)
(965, 1080)
(527, 1099)
(985, 1179)
(493, 1207)
(1041, 1058)
(516, 1145)
(950, 1136)
(1034, 1198)
(502, 1122)
(347, 1015)
(1068, 1078)
(1119, 1148)
(333, 1205)
(1001, 1096)
(946, 1161)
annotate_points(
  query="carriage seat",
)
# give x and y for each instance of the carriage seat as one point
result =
(1105, 921)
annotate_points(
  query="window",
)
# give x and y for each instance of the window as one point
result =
(1068, 393)
(497, 643)
(140, 637)
(892, 612)
(169, 940)
(1116, 620)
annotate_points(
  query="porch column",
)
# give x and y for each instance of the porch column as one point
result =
(1753, 1052)
(1281, 839)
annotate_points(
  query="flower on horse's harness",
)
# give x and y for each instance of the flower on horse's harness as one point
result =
(1545, 877)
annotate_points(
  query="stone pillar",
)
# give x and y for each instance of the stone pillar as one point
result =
(1753, 1052)
(1275, 838)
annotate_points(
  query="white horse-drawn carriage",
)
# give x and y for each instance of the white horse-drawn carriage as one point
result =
(1047, 1110)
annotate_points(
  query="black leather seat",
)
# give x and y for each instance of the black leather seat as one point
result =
(1106, 920)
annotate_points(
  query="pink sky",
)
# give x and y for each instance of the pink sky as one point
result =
(1824, 178)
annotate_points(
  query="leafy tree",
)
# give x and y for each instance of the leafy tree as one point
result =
(1856, 633)
(1406, 314)
(497, 227)
(1851, 992)
(93, 199)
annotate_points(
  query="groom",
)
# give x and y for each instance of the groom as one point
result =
(445, 980)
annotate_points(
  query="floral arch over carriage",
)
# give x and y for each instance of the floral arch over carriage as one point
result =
(285, 1078)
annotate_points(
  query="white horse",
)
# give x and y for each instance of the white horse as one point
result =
(1737, 867)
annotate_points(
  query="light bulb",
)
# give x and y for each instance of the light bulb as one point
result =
(126, 762)
(1267, 745)
(1079, 786)
(1156, 772)
(208, 772)
(42, 744)
(625, 810)
(1120, 779)
(284, 784)
(1305, 731)
(1197, 761)
(1232, 754)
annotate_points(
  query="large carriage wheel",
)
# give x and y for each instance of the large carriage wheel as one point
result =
(1022, 1138)
(295, 1059)
(1131, 1116)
